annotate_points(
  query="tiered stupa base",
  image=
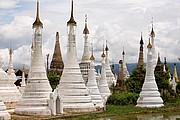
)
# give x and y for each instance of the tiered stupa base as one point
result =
(35, 98)
(150, 96)
(75, 95)
(4, 115)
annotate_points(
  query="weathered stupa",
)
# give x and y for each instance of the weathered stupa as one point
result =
(109, 75)
(149, 96)
(92, 85)
(174, 79)
(120, 85)
(85, 62)
(125, 71)
(75, 95)
(175, 75)
(36, 95)
(57, 64)
(9, 93)
(11, 72)
(103, 85)
(141, 58)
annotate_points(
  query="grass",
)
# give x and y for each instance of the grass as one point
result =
(130, 112)
(121, 112)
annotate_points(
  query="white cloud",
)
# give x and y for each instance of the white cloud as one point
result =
(119, 22)
(8, 4)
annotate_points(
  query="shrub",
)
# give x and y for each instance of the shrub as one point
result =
(123, 98)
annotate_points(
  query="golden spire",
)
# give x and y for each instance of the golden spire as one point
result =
(92, 56)
(71, 21)
(106, 49)
(103, 55)
(10, 51)
(149, 44)
(85, 31)
(152, 31)
(37, 23)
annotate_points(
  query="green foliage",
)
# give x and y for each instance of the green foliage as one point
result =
(53, 79)
(135, 81)
(178, 88)
(123, 98)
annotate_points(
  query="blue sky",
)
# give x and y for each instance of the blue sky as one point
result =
(118, 21)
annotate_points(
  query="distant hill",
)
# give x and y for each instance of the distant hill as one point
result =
(131, 66)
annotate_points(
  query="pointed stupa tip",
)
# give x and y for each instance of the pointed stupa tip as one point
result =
(123, 53)
(86, 31)
(106, 49)
(23, 69)
(103, 55)
(71, 21)
(92, 56)
(149, 44)
(10, 51)
(141, 41)
(165, 60)
(57, 34)
(37, 22)
(152, 31)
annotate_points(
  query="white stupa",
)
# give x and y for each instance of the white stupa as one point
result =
(149, 96)
(85, 62)
(11, 72)
(154, 54)
(103, 85)
(36, 95)
(92, 85)
(4, 115)
(109, 75)
(75, 95)
(175, 79)
(125, 71)
(23, 82)
(9, 93)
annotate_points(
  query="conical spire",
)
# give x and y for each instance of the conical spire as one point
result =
(106, 49)
(152, 31)
(149, 44)
(71, 21)
(92, 56)
(141, 41)
(57, 64)
(175, 75)
(86, 31)
(38, 22)
(123, 53)
(103, 54)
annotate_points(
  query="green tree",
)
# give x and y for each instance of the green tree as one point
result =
(53, 79)
(135, 81)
